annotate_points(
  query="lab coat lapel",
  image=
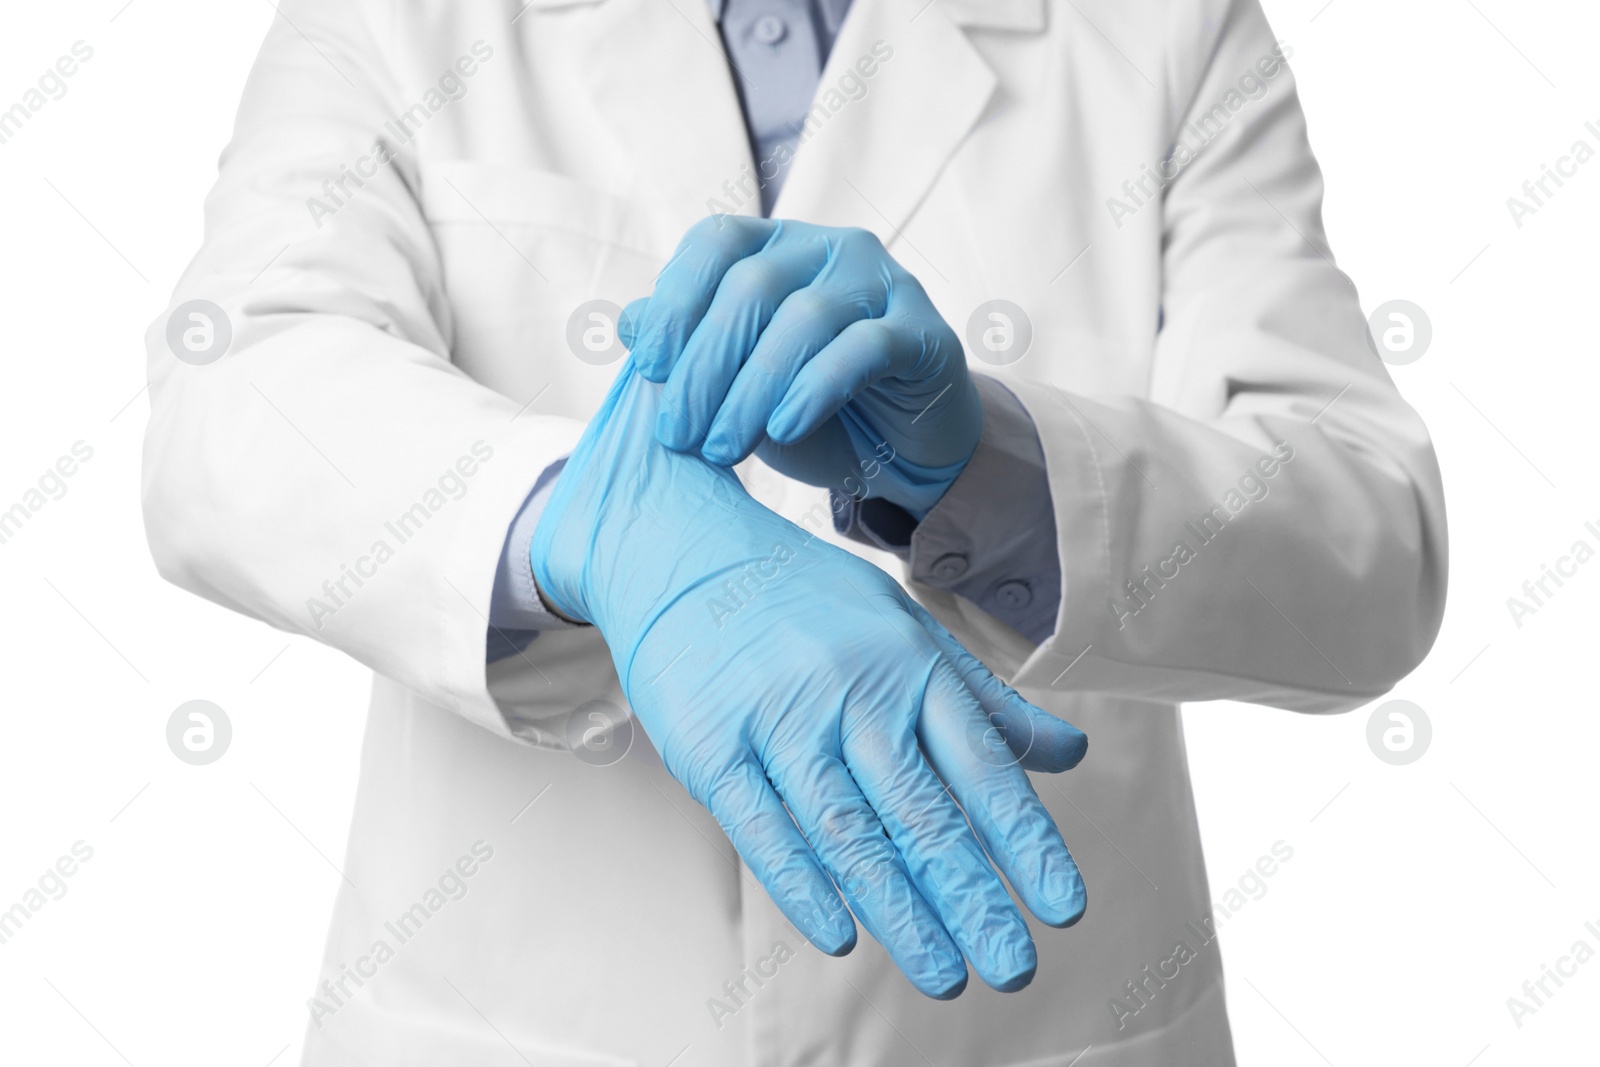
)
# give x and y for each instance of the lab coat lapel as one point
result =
(869, 161)
(658, 74)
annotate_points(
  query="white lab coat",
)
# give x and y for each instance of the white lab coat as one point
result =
(421, 329)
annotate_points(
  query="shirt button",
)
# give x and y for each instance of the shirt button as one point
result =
(770, 29)
(949, 567)
(1013, 595)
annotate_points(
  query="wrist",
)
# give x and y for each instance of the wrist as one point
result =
(546, 603)
(915, 486)
(930, 452)
(632, 527)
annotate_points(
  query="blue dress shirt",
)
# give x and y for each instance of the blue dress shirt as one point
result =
(777, 49)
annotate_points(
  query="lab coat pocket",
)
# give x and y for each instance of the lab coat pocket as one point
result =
(549, 205)
(527, 253)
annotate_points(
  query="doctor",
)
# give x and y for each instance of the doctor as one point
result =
(1050, 330)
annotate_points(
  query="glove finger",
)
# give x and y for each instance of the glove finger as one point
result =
(803, 325)
(904, 338)
(686, 285)
(746, 299)
(755, 820)
(1013, 823)
(1021, 733)
(866, 351)
(945, 861)
(627, 323)
(852, 844)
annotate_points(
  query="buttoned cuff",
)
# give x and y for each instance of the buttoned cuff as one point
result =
(516, 612)
(992, 538)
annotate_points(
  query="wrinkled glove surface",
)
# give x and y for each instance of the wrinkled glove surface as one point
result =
(780, 676)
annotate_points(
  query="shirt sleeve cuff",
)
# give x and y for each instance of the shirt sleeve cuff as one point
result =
(516, 612)
(992, 538)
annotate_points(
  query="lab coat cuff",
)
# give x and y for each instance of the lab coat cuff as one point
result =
(468, 565)
(1082, 524)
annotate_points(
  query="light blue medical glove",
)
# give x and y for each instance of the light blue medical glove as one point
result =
(811, 346)
(780, 676)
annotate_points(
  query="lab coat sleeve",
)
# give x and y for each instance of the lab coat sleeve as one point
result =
(333, 474)
(1189, 573)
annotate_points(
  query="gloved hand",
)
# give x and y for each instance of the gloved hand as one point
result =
(811, 346)
(770, 668)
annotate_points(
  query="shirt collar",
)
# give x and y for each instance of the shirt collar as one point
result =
(833, 12)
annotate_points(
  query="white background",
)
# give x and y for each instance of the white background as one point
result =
(1418, 899)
